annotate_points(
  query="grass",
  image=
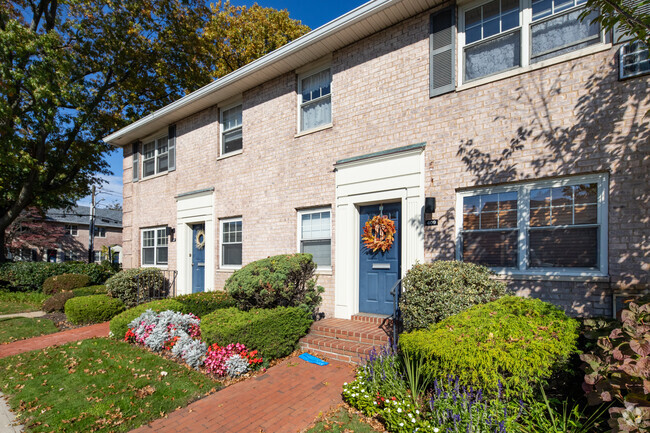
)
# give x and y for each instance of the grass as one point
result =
(98, 385)
(19, 328)
(341, 421)
(90, 290)
(20, 302)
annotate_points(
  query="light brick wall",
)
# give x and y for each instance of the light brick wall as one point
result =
(571, 118)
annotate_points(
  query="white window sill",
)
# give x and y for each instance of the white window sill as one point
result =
(543, 64)
(595, 277)
(229, 154)
(153, 176)
(323, 271)
(161, 267)
(228, 269)
(313, 130)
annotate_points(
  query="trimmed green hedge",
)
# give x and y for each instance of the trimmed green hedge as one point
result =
(273, 332)
(286, 280)
(516, 341)
(25, 276)
(92, 309)
(124, 284)
(64, 283)
(204, 303)
(91, 290)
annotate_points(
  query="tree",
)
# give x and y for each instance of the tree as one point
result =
(72, 71)
(630, 16)
(114, 206)
(31, 230)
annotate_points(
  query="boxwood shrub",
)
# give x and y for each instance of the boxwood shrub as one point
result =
(91, 290)
(434, 291)
(64, 283)
(57, 302)
(92, 309)
(514, 341)
(280, 281)
(124, 284)
(26, 276)
(273, 332)
(204, 303)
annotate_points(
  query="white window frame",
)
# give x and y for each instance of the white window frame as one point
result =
(100, 232)
(223, 130)
(525, 22)
(156, 144)
(523, 190)
(299, 232)
(72, 230)
(306, 74)
(622, 55)
(155, 247)
(222, 243)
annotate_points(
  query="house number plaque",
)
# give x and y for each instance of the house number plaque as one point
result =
(431, 223)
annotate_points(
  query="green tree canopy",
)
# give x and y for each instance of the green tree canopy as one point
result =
(72, 71)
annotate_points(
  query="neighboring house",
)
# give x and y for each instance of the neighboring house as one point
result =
(516, 117)
(71, 226)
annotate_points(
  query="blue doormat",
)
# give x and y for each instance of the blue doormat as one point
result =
(311, 358)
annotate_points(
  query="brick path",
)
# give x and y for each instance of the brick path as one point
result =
(287, 398)
(56, 339)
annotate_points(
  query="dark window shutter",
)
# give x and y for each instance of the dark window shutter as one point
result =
(136, 162)
(172, 147)
(442, 52)
(641, 9)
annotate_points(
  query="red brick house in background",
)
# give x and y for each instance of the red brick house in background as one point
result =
(506, 133)
(64, 234)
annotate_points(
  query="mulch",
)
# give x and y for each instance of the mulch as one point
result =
(61, 321)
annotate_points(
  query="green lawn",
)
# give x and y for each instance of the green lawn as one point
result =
(20, 302)
(19, 328)
(97, 385)
(342, 421)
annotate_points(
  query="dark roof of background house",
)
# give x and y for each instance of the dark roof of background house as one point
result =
(81, 214)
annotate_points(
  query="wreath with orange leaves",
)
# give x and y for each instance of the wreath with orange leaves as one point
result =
(379, 233)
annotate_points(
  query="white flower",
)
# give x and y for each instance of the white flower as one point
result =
(399, 410)
(345, 383)
(375, 403)
(413, 420)
(436, 430)
(401, 424)
(417, 411)
(163, 373)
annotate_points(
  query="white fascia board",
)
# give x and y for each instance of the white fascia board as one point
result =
(362, 12)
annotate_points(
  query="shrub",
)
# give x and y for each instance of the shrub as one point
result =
(56, 302)
(124, 284)
(435, 291)
(515, 342)
(204, 303)
(26, 276)
(91, 290)
(64, 282)
(92, 309)
(120, 323)
(619, 369)
(278, 281)
(274, 333)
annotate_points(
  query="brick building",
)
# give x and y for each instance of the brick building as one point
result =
(521, 121)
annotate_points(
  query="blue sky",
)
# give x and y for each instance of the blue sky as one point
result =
(312, 13)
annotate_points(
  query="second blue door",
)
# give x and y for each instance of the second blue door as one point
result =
(198, 258)
(379, 271)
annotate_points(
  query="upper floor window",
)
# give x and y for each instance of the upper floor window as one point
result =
(154, 246)
(155, 156)
(315, 99)
(71, 230)
(556, 226)
(315, 235)
(100, 232)
(499, 35)
(231, 129)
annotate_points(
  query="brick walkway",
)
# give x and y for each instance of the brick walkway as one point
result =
(56, 339)
(287, 398)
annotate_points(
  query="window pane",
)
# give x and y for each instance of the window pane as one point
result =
(489, 220)
(471, 221)
(163, 163)
(471, 204)
(508, 219)
(232, 254)
(321, 250)
(493, 56)
(316, 85)
(494, 248)
(540, 197)
(232, 140)
(542, 8)
(563, 34)
(586, 194)
(149, 167)
(232, 118)
(571, 248)
(586, 214)
(148, 238)
(162, 236)
(540, 217)
(162, 145)
(149, 150)
(148, 256)
(316, 114)
(562, 215)
(161, 255)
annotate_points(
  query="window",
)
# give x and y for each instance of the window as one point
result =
(500, 35)
(315, 98)
(231, 129)
(100, 232)
(71, 230)
(315, 236)
(154, 246)
(555, 226)
(231, 242)
(155, 157)
(633, 60)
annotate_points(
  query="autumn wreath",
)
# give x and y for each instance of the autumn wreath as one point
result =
(379, 233)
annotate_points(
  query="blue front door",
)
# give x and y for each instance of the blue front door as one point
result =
(379, 271)
(198, 258)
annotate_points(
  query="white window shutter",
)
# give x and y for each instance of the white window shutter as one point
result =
(442, 52)
(136, 161)
(172, 147)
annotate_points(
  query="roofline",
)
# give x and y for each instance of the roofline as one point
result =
(365, 10)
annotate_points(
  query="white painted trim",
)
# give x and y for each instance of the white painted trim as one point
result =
(222, 221)
(234, 102)
(313, 69)
(299, 215)
(155, 246)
